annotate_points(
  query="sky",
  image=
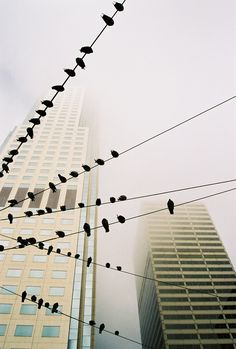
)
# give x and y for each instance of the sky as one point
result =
(162, 62)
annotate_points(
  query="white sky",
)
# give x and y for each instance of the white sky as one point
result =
(162, 62)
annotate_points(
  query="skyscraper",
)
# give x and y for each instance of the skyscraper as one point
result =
(60, 144)
(192, 305)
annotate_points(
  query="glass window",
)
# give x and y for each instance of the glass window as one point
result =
(49, 220)
(18, 257)
(14, 272)
(33, 290)
(59, 274)
(5, 308)
(7, 230)
(7, 289)
(45, 232)
(24, 330)
(2, 329)
(67, 221)
(40, 258)
(2, 256)
(28, 309)
(61, 259)
(56, 291)
(51, 331)
(63, 245)
(36, 273)
(5, 243)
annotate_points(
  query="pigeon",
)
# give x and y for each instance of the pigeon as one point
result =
(50, 248)
(40, 303)
(89, 261)
(63, 208)
(23, 296)
(30, 132)
(60, 233)
(105, 225)
(58, 88)
(114, 153)
(119, 268)
(122, 198)
(28, 213)
(86, 49)
(100, 162)
(108, 20)
(77, 256)
(22, 139)
(35, 121)
(1, 174)
(41, 245)
(13, 152)
(117, 333)
(13, 202)
(34, 298)
(112, 199)
(81, 204)
(62, 178)
(121, 219)
(41, 112)
(58, 250)
(69, 254)
(47, 103)
(70, 72)
(7, 159)
(74, 174)
(46, 304)
(101, 328)
(118, 6)
(31, 241)
(80, 63)
(108, 265)
(10, 218)
(52, 186)
(31, 195)
(48, 209)
(87, 229)
(92, 322)
(54, 307)
(86, 168)
(1, 248)
(170, 205)
(5, 167)
(98, 202)
(40, 212)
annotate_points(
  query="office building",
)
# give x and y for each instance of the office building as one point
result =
(193, 303)
(60, 144)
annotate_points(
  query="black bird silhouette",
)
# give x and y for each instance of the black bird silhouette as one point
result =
(35, 121)
(89, 261)
(10, 218)
(31, 241)
(13, 202)
(81, 204)
(48, 209)
(30, 132)
(100, 162)
(52, 186)
(121, 219)
(70, 72)
(41, 245)
(5, 167)
(50, 248)
(92, 322)
(170, 205)
(105, 225)
(86, 49)
(101, 328)
(68, 254)
(28, 213)
(22, 139)
(33, 298)
(119, 268)
(13, 152)
(41, 112)
(54, 307)
(77, 256)
(46, 304)
(23, 296)
(80, 62)
(1, 248)
(47, 103)
(7, 159)
(108, 20)
(114, 153)
(86, 168)
(122, 198)
(31, 195)
(58, 88)
(40, 212)
(112, 199)
(119, 6)
(74, 174)
(1, 174)
(98, 202)
(60, 233)
(63, 208)
(62, 178)
(21, 241)
(58, 250)
(40, 303)
(108, 265)
(87, 229)
(117, 333)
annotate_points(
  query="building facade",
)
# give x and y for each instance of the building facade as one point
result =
(193, 303)
(60, 144)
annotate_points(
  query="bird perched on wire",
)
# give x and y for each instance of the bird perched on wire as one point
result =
(48, 209)
(101, 328)
(22, 139)
(119, 268)
(60, 233)
(74, 174)
(50, 248)
(13, 152)
(54, 307)
(41, 112)
(41, 245)
(122, 198)
(121, 219)
(117, 333)
(105, 225)
(23, 296)
(89, 261)
(87, 229)
(52, 187)
(118, 6)
(114, 153)
(28, 213)
(30, 132)
(1, 248)
(33, 298)
(92, 322)
(98, 202)
(10, 218)
(31, 240)
(35, 121)
(7, 159)
(58, 88)
(70, 72)
(170, 205)
(80, 62)
(108, 20)
(81, 204)
(112, 199)
(62, 178)
(108, 265)
(5, 168)
(40, 303)
(100, 162)
(40, 212)
(31, 195)
(86, 49)
(86, 168)
(13, 202)
(47, 103)
(63, 208)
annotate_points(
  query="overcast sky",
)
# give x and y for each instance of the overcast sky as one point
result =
(162, 62)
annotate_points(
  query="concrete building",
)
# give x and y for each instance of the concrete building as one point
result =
(195, 304)
(60, 145)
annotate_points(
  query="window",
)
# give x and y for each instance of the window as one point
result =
(7, 230)
(49, 220)
(67, 221)
(5, 308)
(36, 273)
(2, 329)
(61, 259)
(33, 290)
(45, 232)
(7, 289)
(56, 291)
(5, 243)
(18, 257)
(40, 259)
(24, 330)
(51, 331)
(63, 245)
(59, 274)
(28, 309)
(49, 311)
(14, 272)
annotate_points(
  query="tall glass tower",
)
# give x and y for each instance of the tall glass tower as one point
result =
(195, 304)
(60, 144)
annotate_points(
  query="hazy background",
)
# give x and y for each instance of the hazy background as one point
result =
(162, 61)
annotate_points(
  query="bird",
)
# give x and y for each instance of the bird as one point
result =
(112, 199)
(114, 153)
(170, 205)
(62, 178)
(1, 248)
(5, 168)
(46, 304)
(1, 174)
(33, 298)
(58, 88)
(41, 112)
(23, 296)
(70, 72)
(50, 248)
(77, 256)
(48, 209)
(52, 186)
(13, 152)
(30, 132)
(7, 159)
(80, 62)
(74, 174)
(117, 333)
(100, 162)
(87, 229)
(108, 20)
(81, 204)
(63, 208)
(35, 121)
(47, 103)
(40, 212)
(105, 225)
(31, 195)
(58, 250)
(54, 307)
(31, 241)
(119, 268)
(41, 245)
(92, 322)
(98, 202)
(10, 218)
(40, 303)
(108, 265)
(60, 233)
(86, 168)
(69, 254)
(89, 261)
(122, 198)
(118, 6)
(121, 219)
(13, 202)
(22, 139)
(101, 328)
(86, 49)
(28, 213)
